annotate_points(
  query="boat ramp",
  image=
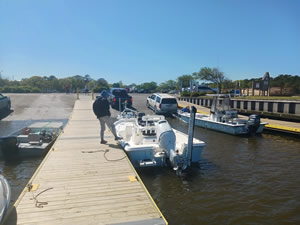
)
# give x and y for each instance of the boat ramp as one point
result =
(81, 181)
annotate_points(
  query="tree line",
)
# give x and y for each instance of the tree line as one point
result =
(212, 76)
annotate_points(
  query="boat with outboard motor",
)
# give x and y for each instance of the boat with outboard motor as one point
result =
(5, 195)
(222, 118)
(149, 140)
(34, 140)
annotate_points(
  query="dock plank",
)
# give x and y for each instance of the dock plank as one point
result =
(84, 182)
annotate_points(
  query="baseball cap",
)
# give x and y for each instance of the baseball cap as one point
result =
(104, 94)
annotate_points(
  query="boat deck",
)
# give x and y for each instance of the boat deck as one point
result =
(81, 181)
(275, 125)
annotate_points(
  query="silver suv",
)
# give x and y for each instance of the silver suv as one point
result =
(162, 103)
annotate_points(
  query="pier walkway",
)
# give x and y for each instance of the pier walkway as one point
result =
(276, 125)
(81, 181)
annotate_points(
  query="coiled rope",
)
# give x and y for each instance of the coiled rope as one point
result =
(105, 152)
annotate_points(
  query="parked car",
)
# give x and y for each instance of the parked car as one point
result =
(4, 104)
(205, 89)
(162, 103)
(119, 95)
(173, 92)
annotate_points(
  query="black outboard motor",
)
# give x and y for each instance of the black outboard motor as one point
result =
(253, 124)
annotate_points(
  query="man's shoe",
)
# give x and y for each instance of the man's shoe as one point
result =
(117, 138)
(103, 142)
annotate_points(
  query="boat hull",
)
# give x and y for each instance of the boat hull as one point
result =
(5, 195)
(222, 127)
(32, 141)
(145, 156)
(35, 151)
(14, 152)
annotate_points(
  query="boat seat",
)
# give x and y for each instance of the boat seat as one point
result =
(149, 132)
(34, 139)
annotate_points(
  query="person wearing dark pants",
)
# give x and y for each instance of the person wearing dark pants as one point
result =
(101, 110)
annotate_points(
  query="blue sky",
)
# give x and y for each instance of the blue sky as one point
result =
(136, 41)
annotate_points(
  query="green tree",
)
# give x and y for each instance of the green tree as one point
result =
(52, 83)
(162, 86)
(87, 78)
(228, 84)
(35, 81)
(212, 75)
(102, 84)
(168, 85)
(172, 84)
(65, 83)
(3, 82)
(149, 86)
(184, 80)
(118, 85)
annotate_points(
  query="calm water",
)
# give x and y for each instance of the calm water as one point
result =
(240, 180)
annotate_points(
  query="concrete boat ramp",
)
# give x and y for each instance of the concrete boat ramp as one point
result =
(81, 181)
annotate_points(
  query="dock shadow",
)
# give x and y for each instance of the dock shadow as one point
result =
(115, 146)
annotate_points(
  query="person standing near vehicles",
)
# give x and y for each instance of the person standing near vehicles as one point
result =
(101, 110)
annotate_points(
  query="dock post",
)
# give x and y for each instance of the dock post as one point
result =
(93, 94)
(77, 91)
(191, 133)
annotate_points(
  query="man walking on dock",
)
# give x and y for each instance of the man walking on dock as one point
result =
(101, 110)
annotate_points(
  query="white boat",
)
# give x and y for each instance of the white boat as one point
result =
(5, 195)
(223, 119)
(34, 140)
(149, 140)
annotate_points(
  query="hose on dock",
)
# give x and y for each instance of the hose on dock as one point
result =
(105, 151)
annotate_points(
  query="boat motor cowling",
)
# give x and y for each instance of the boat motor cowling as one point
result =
(167, 142)
(166, 136)
(253, 123)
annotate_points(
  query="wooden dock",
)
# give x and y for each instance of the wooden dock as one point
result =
(81, 181)
(273, 125)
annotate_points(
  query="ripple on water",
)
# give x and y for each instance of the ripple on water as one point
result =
(240, 180)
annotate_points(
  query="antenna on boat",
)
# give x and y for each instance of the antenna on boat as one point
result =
(191, 134)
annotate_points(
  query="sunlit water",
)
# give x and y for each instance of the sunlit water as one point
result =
(240, 180)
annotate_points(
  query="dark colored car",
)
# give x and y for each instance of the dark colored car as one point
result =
(119, 95)
(205, 89)
(4, 104)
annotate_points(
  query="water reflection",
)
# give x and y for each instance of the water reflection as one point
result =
(240, 180)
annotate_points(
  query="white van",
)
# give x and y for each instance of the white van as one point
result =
(162, 103)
